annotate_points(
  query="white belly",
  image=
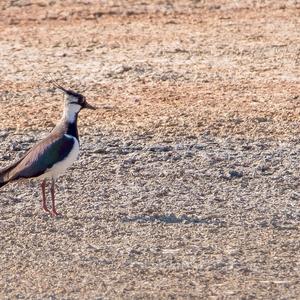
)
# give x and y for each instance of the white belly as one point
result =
(59, 168)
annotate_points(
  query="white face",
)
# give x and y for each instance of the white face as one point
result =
(71, 108)
(71, 99)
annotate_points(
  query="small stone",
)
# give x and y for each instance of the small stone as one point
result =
(100, 151)
(235, 174)
(161, 148)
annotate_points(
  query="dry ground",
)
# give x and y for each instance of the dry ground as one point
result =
(188, 184)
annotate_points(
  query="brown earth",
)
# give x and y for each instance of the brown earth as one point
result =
(188, 180)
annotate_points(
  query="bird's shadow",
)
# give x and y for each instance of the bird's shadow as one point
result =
(173, 219)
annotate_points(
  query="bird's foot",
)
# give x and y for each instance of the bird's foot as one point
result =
(45, 208)
(54, 213)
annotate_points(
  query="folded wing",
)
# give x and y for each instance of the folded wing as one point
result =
(39, 158)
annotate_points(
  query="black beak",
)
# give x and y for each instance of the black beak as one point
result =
(89, 106)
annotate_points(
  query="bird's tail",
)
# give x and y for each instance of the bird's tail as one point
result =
(4, 175)
(2, 184)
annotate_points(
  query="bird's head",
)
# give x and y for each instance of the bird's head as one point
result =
(75, 99)
(74, 102)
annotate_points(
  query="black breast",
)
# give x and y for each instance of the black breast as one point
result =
(72, 129)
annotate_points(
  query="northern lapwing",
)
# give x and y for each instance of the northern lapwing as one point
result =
(50, 157)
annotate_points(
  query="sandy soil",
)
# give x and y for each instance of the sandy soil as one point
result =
(187, 186)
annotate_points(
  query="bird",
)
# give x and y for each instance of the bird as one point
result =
(52, 156)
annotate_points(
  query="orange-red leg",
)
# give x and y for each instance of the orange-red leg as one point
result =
(54, 212)
(44, 204)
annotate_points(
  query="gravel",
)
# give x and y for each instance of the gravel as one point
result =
(187, 185)
(136, 220)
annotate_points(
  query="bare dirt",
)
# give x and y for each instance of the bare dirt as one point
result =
(188, 183)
